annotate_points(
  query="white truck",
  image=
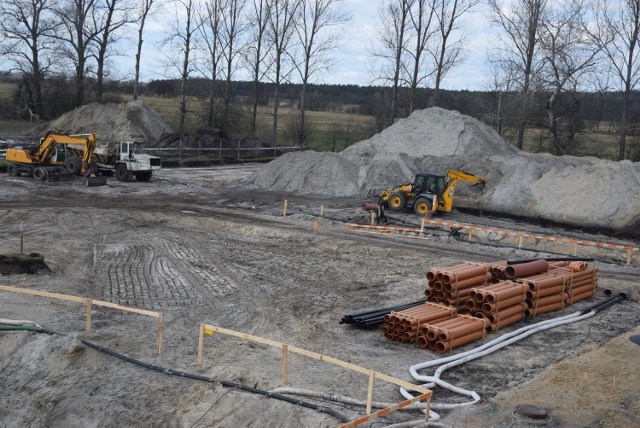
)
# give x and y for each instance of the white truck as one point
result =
(126, 159)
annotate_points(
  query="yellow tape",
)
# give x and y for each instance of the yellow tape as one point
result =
(208, 331)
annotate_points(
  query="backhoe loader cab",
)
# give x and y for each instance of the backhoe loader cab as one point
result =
(428, 192)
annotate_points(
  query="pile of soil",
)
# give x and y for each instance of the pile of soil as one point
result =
(586, 192)
(21, 263)
(110, 122)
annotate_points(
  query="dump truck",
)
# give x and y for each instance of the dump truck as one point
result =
(428, 192)
(125, 159)
(50, 161)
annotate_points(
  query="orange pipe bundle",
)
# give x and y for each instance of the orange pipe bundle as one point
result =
(448, 334)
(403, 326)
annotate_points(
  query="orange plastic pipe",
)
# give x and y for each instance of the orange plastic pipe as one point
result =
(503, 322)
(494, 307)
(506, 313)
(462, 330)
(445, 346)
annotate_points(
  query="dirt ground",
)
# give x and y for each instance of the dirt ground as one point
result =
(199, 246)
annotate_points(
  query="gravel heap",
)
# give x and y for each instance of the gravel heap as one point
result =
(111, 122)
(582, 191)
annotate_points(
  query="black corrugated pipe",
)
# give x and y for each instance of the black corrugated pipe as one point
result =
(597, 307)
(551, 259)
(225, 383)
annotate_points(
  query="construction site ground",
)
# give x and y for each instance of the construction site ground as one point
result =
(198, 246)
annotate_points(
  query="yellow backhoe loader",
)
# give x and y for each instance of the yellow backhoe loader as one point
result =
(49, 160)
(428, 192)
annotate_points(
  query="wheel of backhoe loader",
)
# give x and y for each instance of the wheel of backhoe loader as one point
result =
(73, 165)
(397, 201)
(122, 173)
(12, 169)
(421, 206)
(143, 175)
(40, 174)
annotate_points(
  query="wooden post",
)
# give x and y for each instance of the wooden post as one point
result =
(321, 210)
(160, 330)
(426, 415)
(520, 239)
(220, 150)
(285, 350)
(470, 234)
(238, 149)
(628, 257)
(200, 343)
(315, 227)
(21, 236)
(284, 210)
(372, 218)
(575, 248)
(422, 227)
(87, 325)
(372, 377)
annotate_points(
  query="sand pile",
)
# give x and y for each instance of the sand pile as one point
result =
(579, 191)
(111, 122)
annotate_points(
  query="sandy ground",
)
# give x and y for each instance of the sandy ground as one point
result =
(198, 246)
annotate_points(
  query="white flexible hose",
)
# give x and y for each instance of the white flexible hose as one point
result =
(19, 323)
(478, 352)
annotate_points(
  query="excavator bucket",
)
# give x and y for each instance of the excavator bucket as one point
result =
(94, 180)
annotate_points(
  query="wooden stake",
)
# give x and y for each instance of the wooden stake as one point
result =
(284, 210)
(321, 210)
(160, 331)
(372, 377)
(520, 239)
(87, 325)
(373, 218)
(315, 227)
(200, 343)
(426, 414)
(21, 236)
(470, 234)
(628, 257)
(285, 350)
(422, 227)
(575, 248)
(613, 384)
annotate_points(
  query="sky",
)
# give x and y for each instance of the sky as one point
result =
(352, 60)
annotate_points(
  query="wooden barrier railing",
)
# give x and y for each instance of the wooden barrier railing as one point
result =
(89, 303)
(425, 394)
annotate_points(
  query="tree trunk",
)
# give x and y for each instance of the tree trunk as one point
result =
(623, 124)
(276, 99)
(138, 54)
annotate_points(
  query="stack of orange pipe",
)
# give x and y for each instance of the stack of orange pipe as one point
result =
(403, 326)
(559, 287)
(446, 335)
(452, 286)
(497, 270)
(501, 304)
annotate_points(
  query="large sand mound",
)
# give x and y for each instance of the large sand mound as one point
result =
(111, 122)
(579, 191)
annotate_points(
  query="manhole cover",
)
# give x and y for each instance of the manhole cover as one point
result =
(526, 415)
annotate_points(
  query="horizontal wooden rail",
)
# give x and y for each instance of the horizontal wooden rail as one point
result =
(425, 394)
(91, 302)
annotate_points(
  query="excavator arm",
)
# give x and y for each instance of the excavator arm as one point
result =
(446, 202)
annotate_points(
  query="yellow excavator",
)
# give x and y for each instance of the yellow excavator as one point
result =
(49, 161)
(428, 192)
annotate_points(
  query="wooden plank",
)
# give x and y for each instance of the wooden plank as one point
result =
(160, 332)
(43, 294)
(200, 343)
(246, 336)
(127, 308)
(87, 325)
(372, 378)
(284, 210)
(284, 364)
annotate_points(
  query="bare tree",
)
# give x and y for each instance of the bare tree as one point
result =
(81, 32)
(316, 40)
(144, 11)
(232, 29)
(256, 52)
(26, 27)
(114, 15)
(394, 16)
(281, 26)
(448, 51)
(570, 54)
(621, 23)
(421, 15)
(178, 47)
(210, 32)
(518, 50)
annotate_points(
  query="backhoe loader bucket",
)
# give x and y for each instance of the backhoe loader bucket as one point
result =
(94, 180)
